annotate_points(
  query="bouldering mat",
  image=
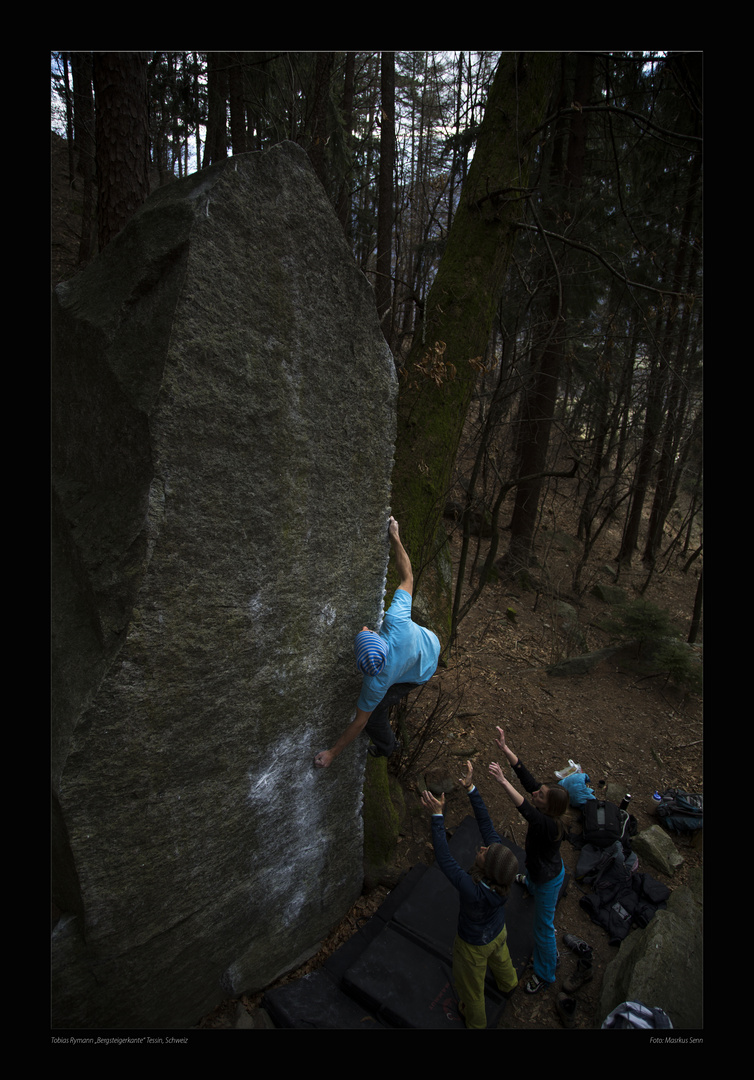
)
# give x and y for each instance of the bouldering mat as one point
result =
(407, 986)
(430, 910)
(396, 971)
(339, 962)
(404, 984)
(315, 1002)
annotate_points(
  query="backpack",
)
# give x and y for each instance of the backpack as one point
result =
(604, 823)
(681, 812)
(634, 1014)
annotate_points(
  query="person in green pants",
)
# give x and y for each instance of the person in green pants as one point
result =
(481, 938)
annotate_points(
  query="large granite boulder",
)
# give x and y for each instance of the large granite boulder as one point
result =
(223, 432)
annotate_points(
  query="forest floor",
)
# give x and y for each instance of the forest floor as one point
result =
(623, 726)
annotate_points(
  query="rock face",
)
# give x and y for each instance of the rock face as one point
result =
(223, 432)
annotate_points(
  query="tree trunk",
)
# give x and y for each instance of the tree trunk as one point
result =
(539, 407)
(660, 383)
(343, 207)
(237, 105)
(122, 135)
(83, 126)
(677, 398)
(537, 418)
(656, 384)
(442, 365)
(318, 116)
(383, 285)
(216, 145)
(696, 617)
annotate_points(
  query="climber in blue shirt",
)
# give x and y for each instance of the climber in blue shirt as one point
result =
(393, 661)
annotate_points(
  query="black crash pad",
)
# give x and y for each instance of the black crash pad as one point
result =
(395, 972)
(405, 985)
(430, 911)
(315, 1002)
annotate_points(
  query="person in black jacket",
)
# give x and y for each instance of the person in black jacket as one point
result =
(481, 937)
(544, 865)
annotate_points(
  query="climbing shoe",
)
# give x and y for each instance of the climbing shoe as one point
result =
(582, 974)
(577, 945)
(566, 1007)
(535, 984)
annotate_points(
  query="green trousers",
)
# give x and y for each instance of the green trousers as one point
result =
(469, 969)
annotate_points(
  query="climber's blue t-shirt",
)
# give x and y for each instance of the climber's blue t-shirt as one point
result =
(412, 653)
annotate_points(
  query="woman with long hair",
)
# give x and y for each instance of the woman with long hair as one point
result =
(481, 937)
(544, 865)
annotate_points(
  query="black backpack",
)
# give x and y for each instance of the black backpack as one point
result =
(681, 812)
(604, 823)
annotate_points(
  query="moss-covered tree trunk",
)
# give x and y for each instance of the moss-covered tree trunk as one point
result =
(538, 412)
(442, 366)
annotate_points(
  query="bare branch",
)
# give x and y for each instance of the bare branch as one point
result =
(601, 258)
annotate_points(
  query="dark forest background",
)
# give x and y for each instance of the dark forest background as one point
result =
(532, 228)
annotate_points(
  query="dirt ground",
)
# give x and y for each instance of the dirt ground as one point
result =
(623, 727)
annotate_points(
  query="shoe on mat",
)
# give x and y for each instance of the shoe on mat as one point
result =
(582, 974)
(577, 945)
(566, 1007)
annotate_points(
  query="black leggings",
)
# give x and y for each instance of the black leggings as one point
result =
(378, 726)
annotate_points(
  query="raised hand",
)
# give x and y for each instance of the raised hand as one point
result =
(466, 780)
(497, 773)
(435, 806)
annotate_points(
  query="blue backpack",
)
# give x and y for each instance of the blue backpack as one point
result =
(681, 812)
